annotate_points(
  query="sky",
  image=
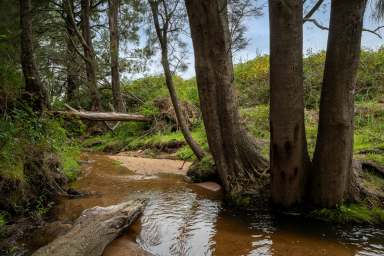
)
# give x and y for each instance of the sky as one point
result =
(314, 41)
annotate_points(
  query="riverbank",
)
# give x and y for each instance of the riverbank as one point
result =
(184, 219)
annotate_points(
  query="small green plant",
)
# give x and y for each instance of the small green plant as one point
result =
(3, 220)
(42, 207)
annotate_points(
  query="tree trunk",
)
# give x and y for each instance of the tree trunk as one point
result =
(89, 54)
(72, 74)
(94, 230)
(289, 158)
(238, 162)
(35, 93)
(104, 116)
(113, 11)
(332, 162)
(197, 150)
(163, 40)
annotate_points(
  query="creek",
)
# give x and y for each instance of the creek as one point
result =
(185, 219)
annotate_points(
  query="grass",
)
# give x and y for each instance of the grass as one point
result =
(137, 140)
(352, 213)
(369, 133)
(373, 181)
(68, 157)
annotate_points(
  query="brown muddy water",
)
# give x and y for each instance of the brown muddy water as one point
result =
(184, 219)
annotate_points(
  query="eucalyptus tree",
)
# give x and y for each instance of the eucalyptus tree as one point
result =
(89, 54)
(289, 160)
(332, 163)
(169, 19)
(113, 13)
(240, 166)
(85, 38)
(72, 65)
(35, 93)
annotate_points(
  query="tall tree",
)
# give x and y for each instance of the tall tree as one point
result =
(113, 11)
(89, 54)
(72, 82)
(237, 159)
(289, 160)
(35, 93)
(163, 31)
(333, 154)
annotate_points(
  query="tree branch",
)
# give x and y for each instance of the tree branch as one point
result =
(372, 31)
(313, 10)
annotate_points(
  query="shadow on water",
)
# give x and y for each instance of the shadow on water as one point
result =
(183, 219)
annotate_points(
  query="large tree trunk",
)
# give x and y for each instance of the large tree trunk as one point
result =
(289, 158)
(35, 93)
(238, 162)
(162, 34)
(113, 11)
(89, 54)
(72, 69)
(94, 230)
(333, 154)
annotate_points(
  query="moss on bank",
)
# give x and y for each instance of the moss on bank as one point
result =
(350, 213)
(203, 170)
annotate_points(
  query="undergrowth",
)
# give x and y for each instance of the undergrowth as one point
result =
(34, 152)
(23, 131)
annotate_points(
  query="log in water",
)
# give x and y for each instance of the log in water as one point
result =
(94, 230)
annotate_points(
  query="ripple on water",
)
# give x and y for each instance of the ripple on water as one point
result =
(178, 223)
(183, 220)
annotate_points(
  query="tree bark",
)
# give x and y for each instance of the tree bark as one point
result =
(72, 70)
(113, 11)
(332, 162)
(162, 34)
(35, 93)
(238, 162)
(89, 54)
(94, 230)
(289, 158)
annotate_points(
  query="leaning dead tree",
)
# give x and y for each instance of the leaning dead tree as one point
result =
(94, 230)
(102, 116)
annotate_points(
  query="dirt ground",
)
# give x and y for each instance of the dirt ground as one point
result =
(149, 166)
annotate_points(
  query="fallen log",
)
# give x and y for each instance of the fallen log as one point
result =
(104, 116)
(94, 230)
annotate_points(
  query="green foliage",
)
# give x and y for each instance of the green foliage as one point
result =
(313, 68)
(23, 131)
(69, 156)
(42, 207)
(352, 213)
(369, 127)
(252, 86)
(143, 92)
(3, 220)
(239, 200)
(252, 79)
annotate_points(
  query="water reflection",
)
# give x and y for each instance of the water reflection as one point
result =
(185, 220)
(177, 223)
